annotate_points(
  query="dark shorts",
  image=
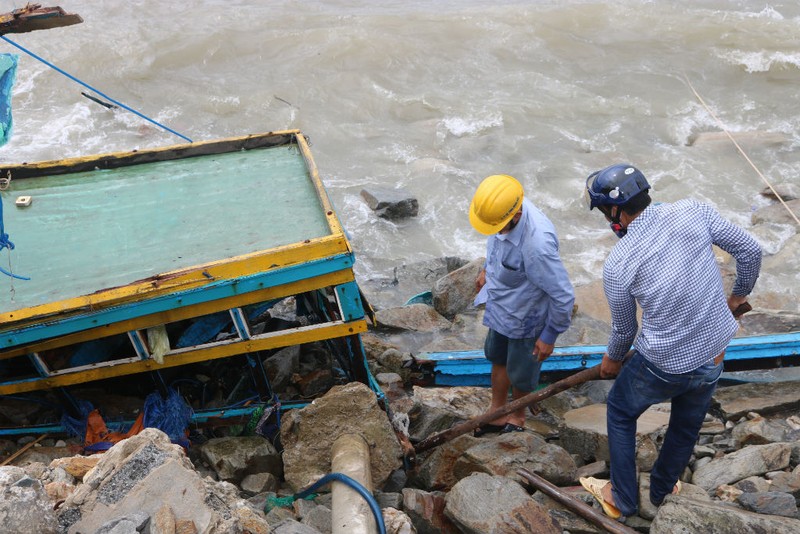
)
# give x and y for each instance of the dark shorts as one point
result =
(516, 355)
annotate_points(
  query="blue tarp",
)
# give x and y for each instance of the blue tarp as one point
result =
(8, 71)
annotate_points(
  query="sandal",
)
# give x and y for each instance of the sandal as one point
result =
(511, 427)
(487, 428)
(595, 487)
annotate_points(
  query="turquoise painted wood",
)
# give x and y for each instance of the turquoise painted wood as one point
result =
(460, 368)
(89, 231)
(226, 288)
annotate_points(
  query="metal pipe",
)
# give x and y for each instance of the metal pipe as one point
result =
(592, 373)
(351, 514)
(577, 506)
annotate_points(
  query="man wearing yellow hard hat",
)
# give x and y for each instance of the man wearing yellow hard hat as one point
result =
(525, 288)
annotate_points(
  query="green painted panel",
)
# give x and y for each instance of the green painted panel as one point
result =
(89, 231)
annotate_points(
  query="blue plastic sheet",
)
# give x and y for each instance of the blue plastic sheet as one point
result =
(8, 72)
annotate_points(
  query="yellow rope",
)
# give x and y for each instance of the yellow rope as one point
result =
(742, 152)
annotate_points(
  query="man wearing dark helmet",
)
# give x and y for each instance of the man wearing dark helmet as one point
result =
(665, 264)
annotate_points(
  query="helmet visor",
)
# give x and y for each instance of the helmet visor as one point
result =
(590, 197)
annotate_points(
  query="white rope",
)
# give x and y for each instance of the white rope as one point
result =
(742, 152)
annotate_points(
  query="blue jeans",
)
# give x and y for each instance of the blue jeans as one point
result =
(641, 384)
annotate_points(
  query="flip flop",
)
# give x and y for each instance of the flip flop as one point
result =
(487, 428)
(511, 427)
(595, 487)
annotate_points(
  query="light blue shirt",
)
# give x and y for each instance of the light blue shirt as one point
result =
(666, 263)
(527, 292)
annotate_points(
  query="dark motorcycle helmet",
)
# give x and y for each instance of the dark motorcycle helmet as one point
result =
(614, 185)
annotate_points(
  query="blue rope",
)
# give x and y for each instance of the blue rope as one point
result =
(361, 490)
(5, 243)
(73, 78)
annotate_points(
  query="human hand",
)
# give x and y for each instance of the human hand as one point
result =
(542, 350)
(609, 368)
(481, 280)
(738, 305)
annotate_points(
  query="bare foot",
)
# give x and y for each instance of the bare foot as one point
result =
(608, 496)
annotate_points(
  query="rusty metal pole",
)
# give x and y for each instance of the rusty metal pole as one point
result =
(592, 373)
(577, 506)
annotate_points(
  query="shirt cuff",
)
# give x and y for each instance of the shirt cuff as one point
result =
(548, 335)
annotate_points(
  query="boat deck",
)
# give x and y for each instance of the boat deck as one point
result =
(139, 260)
(89, 231)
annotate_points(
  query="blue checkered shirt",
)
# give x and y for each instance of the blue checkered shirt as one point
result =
(666, 264)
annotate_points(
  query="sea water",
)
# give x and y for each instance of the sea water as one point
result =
(434, 96)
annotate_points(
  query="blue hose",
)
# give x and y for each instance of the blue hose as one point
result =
(373, 505)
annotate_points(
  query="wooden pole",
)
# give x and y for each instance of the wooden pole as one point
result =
(577, 506)
(22, 450)
(592, 373)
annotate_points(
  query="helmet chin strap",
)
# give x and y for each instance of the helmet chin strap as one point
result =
(616, 224)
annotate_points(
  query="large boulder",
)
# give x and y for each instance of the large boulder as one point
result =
(455, 292)
(485, 504)
(24, 504)
(682, 514)
(146, 478)
(308, 434)
(747, 462)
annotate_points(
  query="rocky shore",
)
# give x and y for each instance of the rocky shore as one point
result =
(744, 475)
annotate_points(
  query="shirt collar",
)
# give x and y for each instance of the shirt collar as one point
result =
(515, 235)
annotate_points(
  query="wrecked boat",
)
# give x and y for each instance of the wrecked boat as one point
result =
(134, 266)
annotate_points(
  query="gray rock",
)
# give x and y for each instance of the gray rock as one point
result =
(586, 435)
(391, 203)
(259, 483)
(233, 458)
(413, 317)
(455, 292)
(787, 482)
(648, 510)
(753, 485)
(426, 511)
(397, 522)
(318, 517)
(396, 287)
(764, 398)
(24, 503)
(682, 514)
(484, 504)
(787, 191)
(776, 213)
(435, 469)
(144, 473)
(308, 434)
(130, 524)
(504, 454)
(761, 430)
(750, 461)
(565, 517)
(437, 409)
(290, 526)
(770, 503)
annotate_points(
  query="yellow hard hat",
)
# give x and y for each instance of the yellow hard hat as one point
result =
(496, 201)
